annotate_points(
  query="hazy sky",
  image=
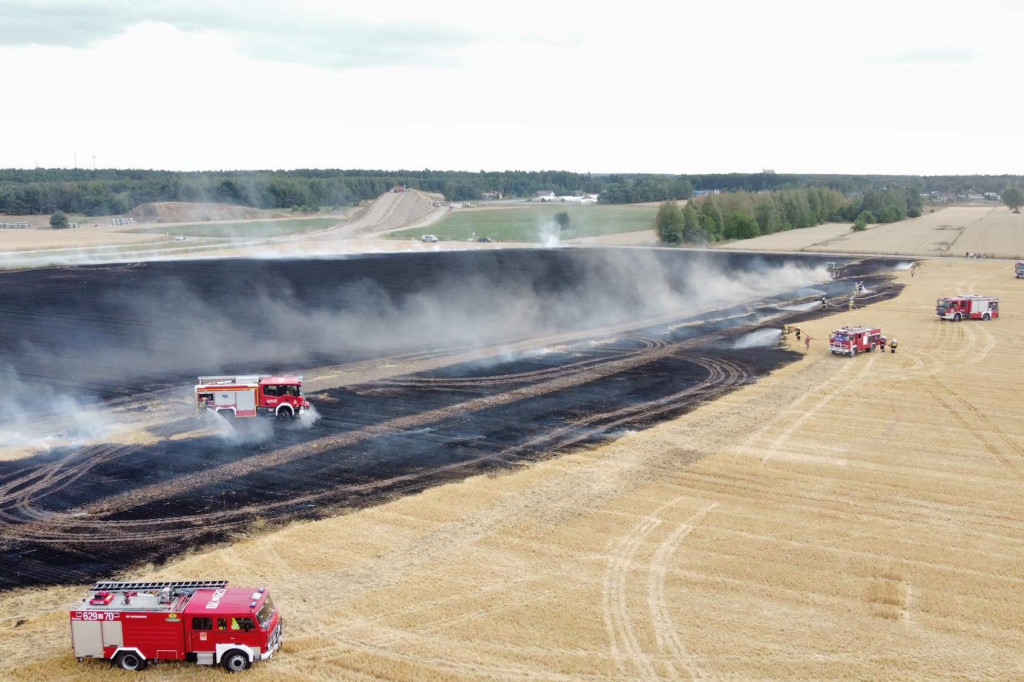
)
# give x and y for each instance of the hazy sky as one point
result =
(662, 87)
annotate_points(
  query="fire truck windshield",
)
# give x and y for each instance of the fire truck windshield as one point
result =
(266, 613)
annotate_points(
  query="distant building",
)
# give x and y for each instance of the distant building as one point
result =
(705, 192)
(491, 195)
(544, 195)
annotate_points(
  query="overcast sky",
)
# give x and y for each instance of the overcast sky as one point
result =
(661, 87)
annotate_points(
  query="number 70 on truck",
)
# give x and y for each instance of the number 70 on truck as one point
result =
(133, 624)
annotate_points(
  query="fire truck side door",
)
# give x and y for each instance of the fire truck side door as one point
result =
(87, 638)
(200, 633)
(112, 635)
(246, 401)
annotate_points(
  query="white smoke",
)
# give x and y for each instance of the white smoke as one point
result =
(549, 234)
(493, 303)
(759, 338)
(308, 417)
(801, 307)
(37, 418)
(246, 431)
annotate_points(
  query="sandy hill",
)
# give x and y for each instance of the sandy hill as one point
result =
(186, 212)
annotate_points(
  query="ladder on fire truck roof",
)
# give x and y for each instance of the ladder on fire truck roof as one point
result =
(242, 379)
(112, 586)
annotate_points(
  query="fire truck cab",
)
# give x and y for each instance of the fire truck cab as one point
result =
(251, 396)
(852, 340)
(133, 624)
(970, 307)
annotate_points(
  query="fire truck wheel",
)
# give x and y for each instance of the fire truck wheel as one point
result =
(956, 318)
(235, 661)
(284, 414)
(986, 317)
(130, 660)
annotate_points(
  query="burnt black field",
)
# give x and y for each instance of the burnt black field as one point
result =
(112, 335)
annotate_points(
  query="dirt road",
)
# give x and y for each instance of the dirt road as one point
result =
(355, 232)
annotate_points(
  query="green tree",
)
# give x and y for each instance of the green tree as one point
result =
(769, 220)
(59, 221)
(740, 226)
(669, 222)
(711, 219)
(681, 189)
(861, 223)
(1013, 197)
(692, 232)
(562, 218)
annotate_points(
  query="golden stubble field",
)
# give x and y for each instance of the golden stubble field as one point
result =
(953, 231)
(840, 519)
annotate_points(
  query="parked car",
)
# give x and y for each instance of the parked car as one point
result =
(180, 238)
(429, 238)
(484, 240)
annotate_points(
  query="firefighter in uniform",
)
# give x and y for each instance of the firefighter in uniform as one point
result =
(892, 346)
(881, 343)
(824, 303)
(798, 333)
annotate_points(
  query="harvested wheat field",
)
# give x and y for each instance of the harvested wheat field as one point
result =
(83, 237)
(792, 240)
(990, 230)
(839, 519)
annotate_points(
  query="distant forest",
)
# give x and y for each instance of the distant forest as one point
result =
(110, 192)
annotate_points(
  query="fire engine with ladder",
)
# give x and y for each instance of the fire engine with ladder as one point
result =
(251, 396)
(852, 340)
(970, 307)
(133, 624)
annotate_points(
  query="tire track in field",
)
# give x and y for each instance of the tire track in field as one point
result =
(1014, 461)
(624, 643)
(316, 447)
(441, 383)
(818, 405)
(665, 630)
(723, 376)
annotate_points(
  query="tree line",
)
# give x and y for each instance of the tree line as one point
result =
(113, 191)
(744, 215)
(109, 192)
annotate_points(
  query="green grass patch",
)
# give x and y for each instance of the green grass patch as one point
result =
(245, 229)
(536, 223)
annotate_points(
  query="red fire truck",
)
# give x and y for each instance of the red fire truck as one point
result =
(971, 307)
(135, 623)
(1018, 270)
(251, 396)
(852, 340)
